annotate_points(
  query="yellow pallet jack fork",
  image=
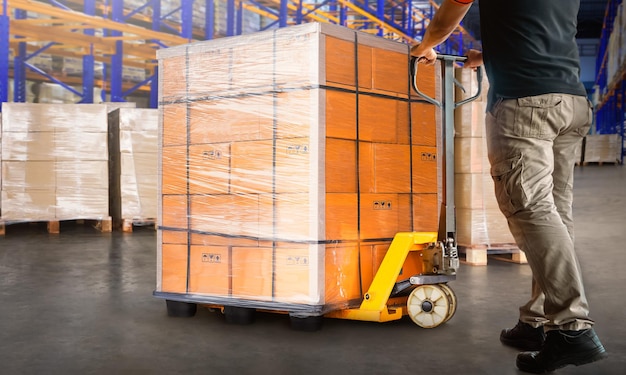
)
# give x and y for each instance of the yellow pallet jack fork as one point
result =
(431, 301)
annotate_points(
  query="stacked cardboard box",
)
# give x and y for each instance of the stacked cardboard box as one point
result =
(480, 224)
(133, 166)
(54, 162)
(603, 148)
(289, 160)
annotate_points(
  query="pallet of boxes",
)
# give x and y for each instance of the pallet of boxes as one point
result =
(482, 229)
(54, 164)
(133, 164)
(289, 159)
(603, 149)
(77, 162)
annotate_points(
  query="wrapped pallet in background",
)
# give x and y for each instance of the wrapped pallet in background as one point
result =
(481, 227)
(133, 166)
(54, 162)
(288, 161)
(603, 148)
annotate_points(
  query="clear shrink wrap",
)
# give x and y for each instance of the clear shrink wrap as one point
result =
(54, 162)
(133, 165)
(603, 148)
(288, 161)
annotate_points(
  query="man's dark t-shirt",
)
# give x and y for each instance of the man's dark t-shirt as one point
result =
(529, 47)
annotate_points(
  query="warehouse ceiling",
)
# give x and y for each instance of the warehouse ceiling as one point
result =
(590, 19)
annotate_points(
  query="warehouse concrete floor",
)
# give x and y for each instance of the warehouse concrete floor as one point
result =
(81, 302)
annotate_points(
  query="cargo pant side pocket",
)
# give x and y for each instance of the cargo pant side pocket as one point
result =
(508, 183)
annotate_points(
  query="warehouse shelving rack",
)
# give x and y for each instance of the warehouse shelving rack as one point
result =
(611, 100)
(120, 34)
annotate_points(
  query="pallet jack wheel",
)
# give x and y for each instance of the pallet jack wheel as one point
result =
(239, 315)
(306, 324)
(179, 309)
(429, 306)
(446, 288)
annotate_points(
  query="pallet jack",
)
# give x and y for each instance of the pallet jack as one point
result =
(425, 297)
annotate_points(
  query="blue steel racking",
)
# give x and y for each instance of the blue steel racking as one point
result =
(610, 115)
(74, 24)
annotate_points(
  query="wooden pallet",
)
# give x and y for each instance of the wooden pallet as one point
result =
(602, 162)
(128, 224)
(478, 255)
(54, 226)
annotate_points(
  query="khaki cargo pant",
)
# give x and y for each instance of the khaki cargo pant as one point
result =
(532, 144)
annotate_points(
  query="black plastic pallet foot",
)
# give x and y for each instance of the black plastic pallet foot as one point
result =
(239, 315)
(179, 309)
(306, 324)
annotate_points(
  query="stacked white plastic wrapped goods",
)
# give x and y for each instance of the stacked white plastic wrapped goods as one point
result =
(603, 148)
(480, 224)
(133, 169)
(54, 162)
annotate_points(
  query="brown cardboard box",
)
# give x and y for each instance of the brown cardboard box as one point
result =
(209, 169)
(340, 64)
(340, 170)
(82, 203)
(28, 175)
(174, 237)
(423, 120)
(231, 119)
(174, 268)
(384, 215)
(230, 214)
(174, 170)
(475, 191)
(251, 166)
(425, 166)
(209, 270)
(174, 82)
(469, 120)
(31, 146)
(383, 119)
(174, 211)
(482, 227)
(426, 212)
(296, 113)
(85, 174)
(28, 205)
(470, 155)
(295, 268)
(340, 114)
(341, 214)
(384, 168)
(174, 124)
(202, 72)
(342, 273)
(252, 272)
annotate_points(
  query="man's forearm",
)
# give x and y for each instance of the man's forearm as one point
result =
(444, 22)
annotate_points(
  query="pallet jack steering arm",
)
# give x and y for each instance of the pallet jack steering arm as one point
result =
(447, 225)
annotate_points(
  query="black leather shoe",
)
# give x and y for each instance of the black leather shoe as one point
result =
(563, 348)
(523, 336)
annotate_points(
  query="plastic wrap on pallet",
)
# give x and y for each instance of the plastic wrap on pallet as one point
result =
(133, 164)
(287, 165)
(54, 162)
(479, 221)
(603, 148)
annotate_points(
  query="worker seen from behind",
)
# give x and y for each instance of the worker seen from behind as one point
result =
(537, 115)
